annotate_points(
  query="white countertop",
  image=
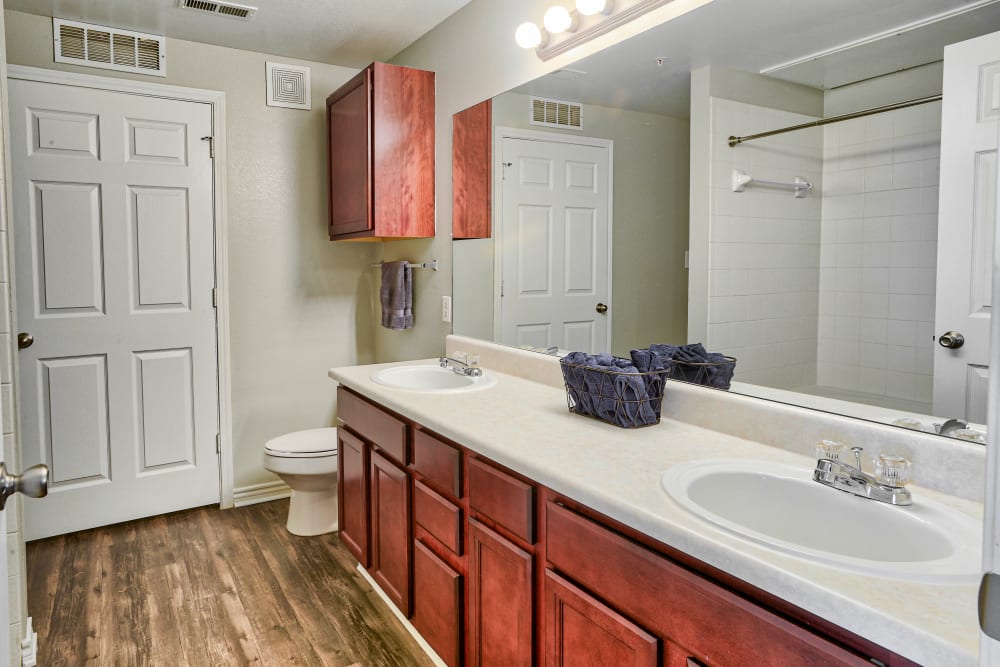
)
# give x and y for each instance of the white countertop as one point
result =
(526, 426)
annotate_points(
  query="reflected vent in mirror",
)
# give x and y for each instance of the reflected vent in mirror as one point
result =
(556, 113)
(108, 48)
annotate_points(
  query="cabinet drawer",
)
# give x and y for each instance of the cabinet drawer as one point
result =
(438, 462)
(503, 498)
(437, 604)
(438, 516)
(383, 430)
(677, 604)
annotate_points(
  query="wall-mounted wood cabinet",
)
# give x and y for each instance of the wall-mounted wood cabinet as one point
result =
(380, 132)
(472, 172)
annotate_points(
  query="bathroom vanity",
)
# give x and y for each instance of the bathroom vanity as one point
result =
(511, 532)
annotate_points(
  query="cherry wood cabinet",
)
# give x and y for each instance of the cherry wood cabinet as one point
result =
(391, 536)
(352, 463)
(581, 630)
(501, 583)
(380, 161)
(717, 627)
(498, 570)
(437, 603)
(472, 172)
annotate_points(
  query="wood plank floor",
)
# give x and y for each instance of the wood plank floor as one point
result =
(208, 587)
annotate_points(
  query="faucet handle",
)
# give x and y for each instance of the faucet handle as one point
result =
(829, 449)
(893, 470)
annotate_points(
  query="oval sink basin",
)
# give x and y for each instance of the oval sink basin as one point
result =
(431, 379)
(780, 506)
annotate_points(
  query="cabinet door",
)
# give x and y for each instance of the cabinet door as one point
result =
(472, 171)
(437, 604)
(348, 114)
(500, 593)
(352, 460)
(391, 536)
(581, 631)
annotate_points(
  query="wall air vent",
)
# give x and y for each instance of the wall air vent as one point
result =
(288, 86)
(109, 48)
(556, 113)
(219, 8)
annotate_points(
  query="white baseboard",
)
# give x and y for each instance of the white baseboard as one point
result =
(260, 493)
(435, 658)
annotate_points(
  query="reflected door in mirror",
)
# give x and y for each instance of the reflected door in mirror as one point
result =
(556, 243)
(966, 225)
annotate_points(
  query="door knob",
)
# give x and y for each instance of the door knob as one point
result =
(24, 339)
(33, 482)
(951, 339)
(601, 308)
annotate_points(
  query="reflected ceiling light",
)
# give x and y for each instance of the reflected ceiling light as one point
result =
(558, 19)
(589, 19)
(529, 36)
(591, 7)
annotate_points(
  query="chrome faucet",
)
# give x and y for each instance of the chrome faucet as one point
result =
(852, 479)
(467, 368)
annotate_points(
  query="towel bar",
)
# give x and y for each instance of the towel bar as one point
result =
(432, 265)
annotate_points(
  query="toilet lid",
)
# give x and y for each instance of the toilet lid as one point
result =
(315, 442)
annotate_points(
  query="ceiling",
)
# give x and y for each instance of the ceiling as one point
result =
(351, 33)
(765, 36)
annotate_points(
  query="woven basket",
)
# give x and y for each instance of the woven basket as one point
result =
(628, 400)
(715, 374)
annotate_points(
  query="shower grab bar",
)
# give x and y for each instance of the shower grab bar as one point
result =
(741, 180)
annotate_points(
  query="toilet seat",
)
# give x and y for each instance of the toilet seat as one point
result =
(313, 443)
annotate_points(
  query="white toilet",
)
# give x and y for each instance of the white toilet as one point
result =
(307, 462)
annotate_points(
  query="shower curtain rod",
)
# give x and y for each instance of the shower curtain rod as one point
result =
(733, 141)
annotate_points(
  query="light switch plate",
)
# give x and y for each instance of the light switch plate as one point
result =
(446, 309)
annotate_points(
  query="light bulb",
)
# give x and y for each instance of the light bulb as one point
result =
(591, 7)
(557, 19)
(528, 35)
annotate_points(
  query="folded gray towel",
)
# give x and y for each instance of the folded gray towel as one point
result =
(396, 295)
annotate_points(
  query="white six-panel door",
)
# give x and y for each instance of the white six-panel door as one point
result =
(966, 227)
(114, 270)
(555, 205)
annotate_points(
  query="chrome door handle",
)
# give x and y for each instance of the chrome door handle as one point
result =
(33, 482)
(24, 339)
(951, 339)
(601, 308)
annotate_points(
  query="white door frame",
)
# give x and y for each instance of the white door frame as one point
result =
(501, 132)
(217, 102)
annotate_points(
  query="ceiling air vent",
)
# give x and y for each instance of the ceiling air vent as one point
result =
(109, 48)
(219, 8)
(288, 86)
(556, 113)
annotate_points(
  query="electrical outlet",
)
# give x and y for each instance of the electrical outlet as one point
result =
(446, 309)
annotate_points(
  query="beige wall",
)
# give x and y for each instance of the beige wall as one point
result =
(475, 57)
(650, 227)
(298, 303)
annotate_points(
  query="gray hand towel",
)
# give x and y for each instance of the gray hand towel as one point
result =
(396, 295)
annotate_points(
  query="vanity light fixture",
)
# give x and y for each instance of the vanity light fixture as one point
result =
(558, 19)
(587, 20)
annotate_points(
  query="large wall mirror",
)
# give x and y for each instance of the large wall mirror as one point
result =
(616, 222)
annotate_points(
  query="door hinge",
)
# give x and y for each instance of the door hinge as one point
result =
(211, 146)
(503, 172)
(218, 443)
(215, 298)
(501, 288)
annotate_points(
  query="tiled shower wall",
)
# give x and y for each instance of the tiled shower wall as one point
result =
(764, 248)
(879, 253)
